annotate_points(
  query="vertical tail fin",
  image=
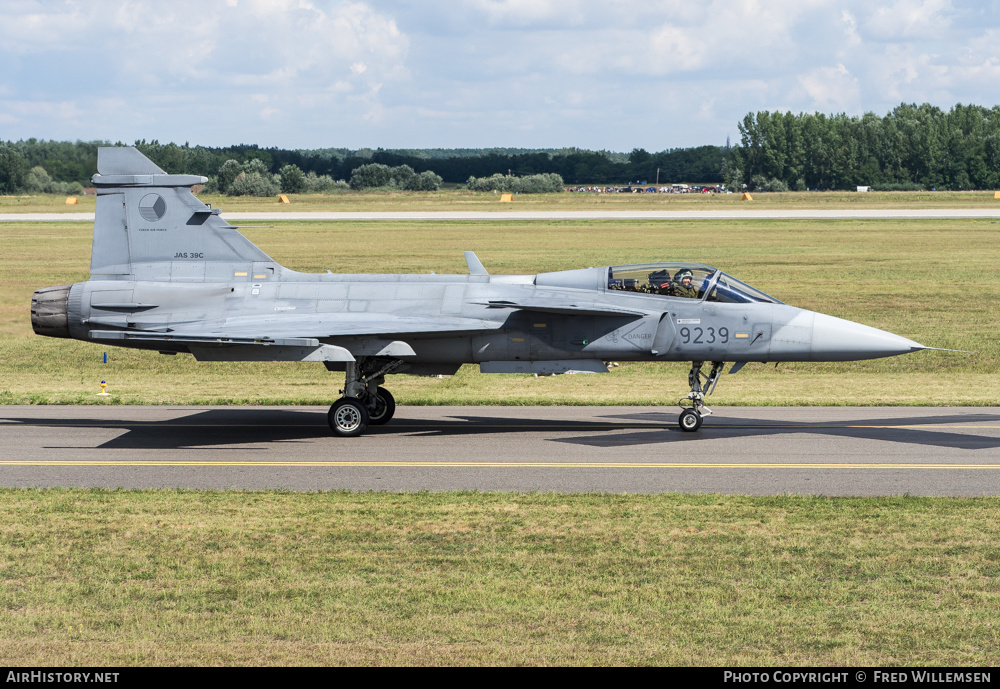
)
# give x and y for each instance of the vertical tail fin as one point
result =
(149, 226)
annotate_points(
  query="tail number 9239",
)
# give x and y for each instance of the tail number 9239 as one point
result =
(704, 335)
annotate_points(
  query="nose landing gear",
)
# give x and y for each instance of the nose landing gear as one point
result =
(694, 408)
(690, 420)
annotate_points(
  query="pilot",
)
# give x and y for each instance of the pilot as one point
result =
(684, 284)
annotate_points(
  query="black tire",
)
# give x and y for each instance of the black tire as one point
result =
(348, 418)
(690, 420)
(385, 407)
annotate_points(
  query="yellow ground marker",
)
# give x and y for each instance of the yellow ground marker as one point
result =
(746, 196)
(506, 198)
(71, 201)
(283, 199)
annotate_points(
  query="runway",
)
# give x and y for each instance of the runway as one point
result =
(508, 215)
(739, 450)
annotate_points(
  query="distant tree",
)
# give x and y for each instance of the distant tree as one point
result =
(402, 177)
(372, 175)
(530, 184)
(427, 181)
(314, 182)
(638, 156)
(732, 175)
(265, 158)
(251, 178)
(13, 170)
(37, 181)
(641, 165)
(230, 170)
(254, 184)
(256, 165)
(292, 179)
(913, 146)
(761, 183)
(379, 175)
(495, 182)
(545, 183)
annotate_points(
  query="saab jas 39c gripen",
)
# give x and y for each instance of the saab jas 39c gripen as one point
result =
(167, 273)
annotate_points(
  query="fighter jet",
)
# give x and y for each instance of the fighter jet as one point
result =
(168, 274)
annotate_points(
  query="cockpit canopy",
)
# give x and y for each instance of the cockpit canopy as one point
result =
(686, 280)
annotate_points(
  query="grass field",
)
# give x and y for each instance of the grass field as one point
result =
(458, 200)
(211, 578)
(935, 281)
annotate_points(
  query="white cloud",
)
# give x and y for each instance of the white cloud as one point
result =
(60, 110)
(662, 39)
(190, 58)
(831, 88)
(909, 19)
(593, 73)
(528, 12)
(982, 50)
(191, 39)
(851, 36)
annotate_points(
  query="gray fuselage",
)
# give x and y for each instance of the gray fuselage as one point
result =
(554, 327)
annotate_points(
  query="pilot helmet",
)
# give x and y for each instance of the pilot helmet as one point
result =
(684, 273)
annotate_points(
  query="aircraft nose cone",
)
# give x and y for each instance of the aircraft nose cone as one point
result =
(836, 339)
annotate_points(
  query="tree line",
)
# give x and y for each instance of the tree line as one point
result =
(911, 147)
(75, 162)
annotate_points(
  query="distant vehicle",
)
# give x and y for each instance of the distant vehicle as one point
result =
(168, 274)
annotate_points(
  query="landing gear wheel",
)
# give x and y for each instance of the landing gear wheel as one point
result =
(348, 418)
(690, 420)
(385, 407)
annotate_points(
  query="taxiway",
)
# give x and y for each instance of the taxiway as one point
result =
(744, 450)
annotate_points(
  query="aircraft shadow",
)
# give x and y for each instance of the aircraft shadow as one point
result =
(205, 429)
(894, 429)
(241, 426)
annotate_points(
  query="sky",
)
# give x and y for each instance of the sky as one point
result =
(606, 74)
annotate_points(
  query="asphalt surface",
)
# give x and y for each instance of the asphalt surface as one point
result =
(757, 451)
(742, 214)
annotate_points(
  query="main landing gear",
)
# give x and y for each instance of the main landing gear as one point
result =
(364, 403)
(694, 408)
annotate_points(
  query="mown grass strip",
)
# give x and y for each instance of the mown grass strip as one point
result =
(457, 199)
(201, 577)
